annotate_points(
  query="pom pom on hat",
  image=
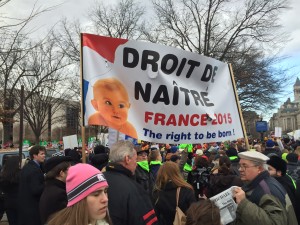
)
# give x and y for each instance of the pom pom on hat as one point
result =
(82, 180)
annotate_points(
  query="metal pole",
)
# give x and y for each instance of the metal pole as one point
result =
(262, 133)
(21, 125)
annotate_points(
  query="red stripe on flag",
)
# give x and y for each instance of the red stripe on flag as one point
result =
(104, 46)
(147, 215)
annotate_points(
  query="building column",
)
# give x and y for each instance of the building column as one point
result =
(293, 123)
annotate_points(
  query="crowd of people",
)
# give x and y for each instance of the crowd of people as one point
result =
(129, 184)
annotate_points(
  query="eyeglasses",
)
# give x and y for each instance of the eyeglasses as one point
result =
(244, 167)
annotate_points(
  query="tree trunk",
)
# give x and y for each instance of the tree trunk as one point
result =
(37, 139)
(8, 120)
(49, 123)
(7, 132)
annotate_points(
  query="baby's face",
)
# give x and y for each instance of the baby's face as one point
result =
(113, 106)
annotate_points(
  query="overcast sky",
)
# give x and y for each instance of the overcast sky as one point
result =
(290, 21)
(77, 9)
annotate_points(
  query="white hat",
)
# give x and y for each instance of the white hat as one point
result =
(199, 152)
(254, 156)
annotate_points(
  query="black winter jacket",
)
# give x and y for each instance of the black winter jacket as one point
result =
(53, 199)
(154, 169)
(10, 190)
(30, 190)
(145, 179)
(220, 182)
(234, 166)
(165, 202)
(288, 185)
(129, 203)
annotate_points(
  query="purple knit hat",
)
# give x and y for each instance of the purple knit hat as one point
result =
(82, 180)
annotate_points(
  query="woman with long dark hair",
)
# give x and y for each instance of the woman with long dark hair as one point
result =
(168, 180)
(9, 183)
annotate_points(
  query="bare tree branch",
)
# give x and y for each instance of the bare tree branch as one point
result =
(15, 47)
(121, 21)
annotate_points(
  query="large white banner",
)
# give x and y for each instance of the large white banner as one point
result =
(157, 93)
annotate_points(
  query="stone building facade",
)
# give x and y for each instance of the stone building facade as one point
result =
(64, 121)
(288, 115)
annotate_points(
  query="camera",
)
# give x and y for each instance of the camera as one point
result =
(199, 179)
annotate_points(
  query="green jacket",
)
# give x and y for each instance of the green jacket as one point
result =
(265, 208)
(270, 211)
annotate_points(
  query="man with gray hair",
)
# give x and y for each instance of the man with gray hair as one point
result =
(262, 200)
(129, 203)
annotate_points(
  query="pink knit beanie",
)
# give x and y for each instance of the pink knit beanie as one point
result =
(82, 180)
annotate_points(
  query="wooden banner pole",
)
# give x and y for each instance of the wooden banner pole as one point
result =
(81, 103)
(239, 107)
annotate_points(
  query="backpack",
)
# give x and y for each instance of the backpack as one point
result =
(295, 174)
(180, 218)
